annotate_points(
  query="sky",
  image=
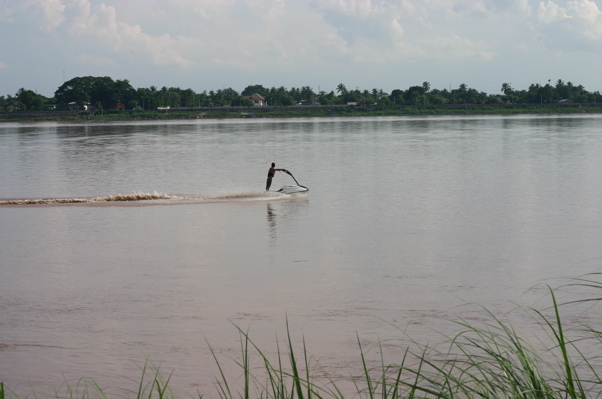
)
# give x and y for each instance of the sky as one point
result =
(363, 44)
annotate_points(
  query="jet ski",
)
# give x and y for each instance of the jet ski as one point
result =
(292, 189)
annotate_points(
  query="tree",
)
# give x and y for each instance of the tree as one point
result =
(76, 90)
(491, 99)
(230, 94)
(307, 94)
(326, 98)
(123, 92)
(240, 102)
(437, 99)
(506, 89)
(547, 93)
(189, 98)
(295, 94)
(30, 100)
(354, 96)
(396, 96)
(103, 92)
(412, 93)
(90, 89)
(279, 97)
(384, 101)
(145, 97)
(259, 89)
(172, 98)
(222, 97)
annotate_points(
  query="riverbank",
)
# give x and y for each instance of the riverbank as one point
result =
(302, 112)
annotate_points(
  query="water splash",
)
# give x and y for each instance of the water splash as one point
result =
(241, 195)
(229, 195)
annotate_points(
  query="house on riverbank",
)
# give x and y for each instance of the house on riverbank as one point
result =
(258, 100)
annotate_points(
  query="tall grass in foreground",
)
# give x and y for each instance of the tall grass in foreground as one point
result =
(488, 360)
(151, 385)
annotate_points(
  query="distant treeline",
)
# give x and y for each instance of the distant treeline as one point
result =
(104, 93)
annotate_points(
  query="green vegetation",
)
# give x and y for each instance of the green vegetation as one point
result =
(107, 99)
(303, 112)
(487, 359)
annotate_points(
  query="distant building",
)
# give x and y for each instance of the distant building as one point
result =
(258, 100)
(13, 108)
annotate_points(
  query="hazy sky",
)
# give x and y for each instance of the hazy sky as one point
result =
(364, 44)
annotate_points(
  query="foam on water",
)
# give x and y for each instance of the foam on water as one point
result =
(228, 195)
(241, 195)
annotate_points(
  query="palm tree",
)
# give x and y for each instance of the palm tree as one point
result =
(307, 94)
(341, 89)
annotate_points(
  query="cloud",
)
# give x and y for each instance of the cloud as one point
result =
(44, 14)
(100, 27)
(253, 34)
(291, 40)
(575, 26)
(358, 8)
(53, 13)
(408, 31)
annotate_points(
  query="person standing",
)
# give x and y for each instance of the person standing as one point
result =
(271, 175)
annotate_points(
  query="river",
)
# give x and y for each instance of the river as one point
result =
(407, 219)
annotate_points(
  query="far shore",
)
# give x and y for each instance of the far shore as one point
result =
(299, 112)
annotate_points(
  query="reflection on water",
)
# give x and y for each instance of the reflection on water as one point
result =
(151, 199)
(407, 219)
(280, 215)
(271, 216)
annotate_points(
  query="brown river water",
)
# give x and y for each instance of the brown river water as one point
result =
(126, 243)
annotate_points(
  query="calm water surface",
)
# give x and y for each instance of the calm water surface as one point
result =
(406, 220)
